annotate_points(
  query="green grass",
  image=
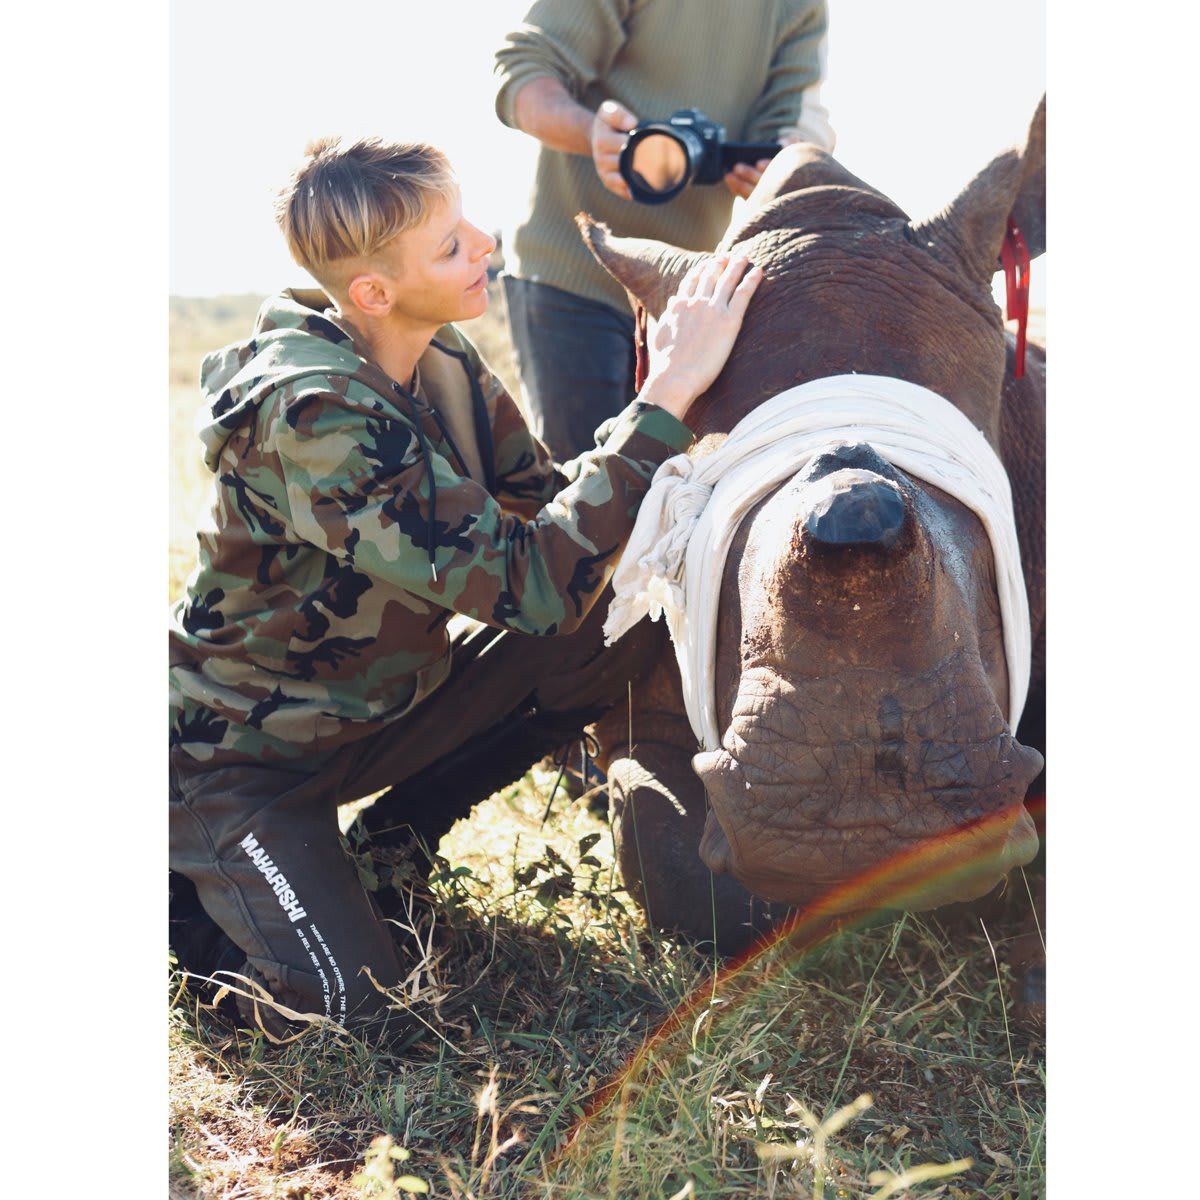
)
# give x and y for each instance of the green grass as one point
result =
(539, 1071)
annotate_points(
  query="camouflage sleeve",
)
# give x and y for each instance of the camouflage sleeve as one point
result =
(526, 474)
(357, 487)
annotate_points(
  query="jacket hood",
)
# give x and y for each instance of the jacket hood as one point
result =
(297, 335)
(293, 336)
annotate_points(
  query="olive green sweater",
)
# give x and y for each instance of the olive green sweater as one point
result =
(754, 66)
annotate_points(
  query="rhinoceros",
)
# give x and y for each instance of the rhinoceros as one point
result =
(861, 680)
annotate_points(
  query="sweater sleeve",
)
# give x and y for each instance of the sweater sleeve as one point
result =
(357, 487)
(573, 41)
(791, 99)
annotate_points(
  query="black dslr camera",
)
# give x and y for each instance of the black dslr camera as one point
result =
(660, 158)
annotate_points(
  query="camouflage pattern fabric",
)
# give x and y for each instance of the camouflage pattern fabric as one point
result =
(315, 615)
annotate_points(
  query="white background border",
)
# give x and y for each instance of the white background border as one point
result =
(82, 606)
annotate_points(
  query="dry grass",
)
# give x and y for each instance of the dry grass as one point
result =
(536, 1073)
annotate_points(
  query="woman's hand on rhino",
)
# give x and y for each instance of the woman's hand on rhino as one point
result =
(610, 129)
(691, 341)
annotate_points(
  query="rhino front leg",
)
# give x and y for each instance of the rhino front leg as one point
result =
(658, 810)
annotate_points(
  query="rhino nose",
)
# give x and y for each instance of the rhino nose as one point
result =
(855, 508)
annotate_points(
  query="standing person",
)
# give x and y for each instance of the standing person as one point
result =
(577, 75)
(372, 478)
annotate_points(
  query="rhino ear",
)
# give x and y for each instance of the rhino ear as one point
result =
(650, 271)
(968, 234)
(1029, 209)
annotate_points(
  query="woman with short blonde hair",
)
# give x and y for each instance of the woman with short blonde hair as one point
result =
(371, 479)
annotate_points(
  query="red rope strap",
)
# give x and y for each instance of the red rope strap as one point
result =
(1014, 257)
(641, 345)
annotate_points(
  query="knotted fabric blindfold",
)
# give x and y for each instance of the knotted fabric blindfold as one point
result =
(675, 559)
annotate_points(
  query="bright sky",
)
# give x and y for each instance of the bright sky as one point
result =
(921, 94)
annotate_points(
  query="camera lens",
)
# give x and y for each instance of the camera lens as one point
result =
(659, 161)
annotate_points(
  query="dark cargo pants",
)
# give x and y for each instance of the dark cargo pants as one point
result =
(576, 360)
(261, 844)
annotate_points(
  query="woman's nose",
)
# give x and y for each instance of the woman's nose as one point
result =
(487, 244)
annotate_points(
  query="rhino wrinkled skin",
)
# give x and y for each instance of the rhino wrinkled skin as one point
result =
(861, 679)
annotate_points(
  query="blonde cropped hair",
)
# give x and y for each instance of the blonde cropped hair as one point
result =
(345, 201)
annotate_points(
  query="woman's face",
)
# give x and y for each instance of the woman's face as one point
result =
(441, 267)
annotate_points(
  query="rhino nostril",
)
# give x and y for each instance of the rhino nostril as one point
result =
(856, 508)
(715, 850)
(1032, 761)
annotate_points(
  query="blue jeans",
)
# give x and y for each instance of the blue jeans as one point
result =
(576, 362)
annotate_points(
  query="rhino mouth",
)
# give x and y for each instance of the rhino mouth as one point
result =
(900, 810)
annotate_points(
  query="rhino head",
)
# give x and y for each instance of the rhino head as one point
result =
(862, 689)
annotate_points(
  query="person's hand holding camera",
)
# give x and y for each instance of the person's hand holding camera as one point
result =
(610, 128)
(743, 178)
(691, 341)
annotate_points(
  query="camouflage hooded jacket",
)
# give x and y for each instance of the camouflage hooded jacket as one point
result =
(347, 528)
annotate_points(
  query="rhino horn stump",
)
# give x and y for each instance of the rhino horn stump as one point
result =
(858, 509)
(858, 534)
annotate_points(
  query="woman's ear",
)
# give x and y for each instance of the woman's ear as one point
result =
(370, 294)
